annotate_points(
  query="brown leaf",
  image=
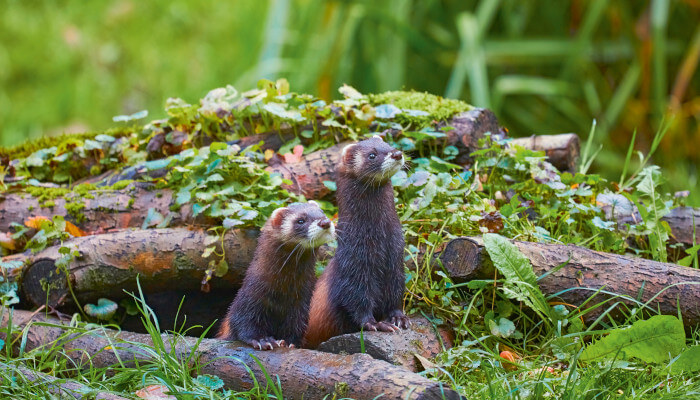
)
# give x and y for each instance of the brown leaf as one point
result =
(74, 230)
(295, 156)
(7, 242)
(492, 221)
(154, 392)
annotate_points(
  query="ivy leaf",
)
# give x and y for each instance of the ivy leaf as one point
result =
(350, 92)
(104, 138)
(104, 310)
(503, 328)
(183, 196)
(212, 382)
(387, 111)
(330, 185)
(656, 340)
(132, 117)
(230, 223)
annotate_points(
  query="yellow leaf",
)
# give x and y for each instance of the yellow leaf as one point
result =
(35, 222)
(74, 230)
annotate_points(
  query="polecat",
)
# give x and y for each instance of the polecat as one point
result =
(363, 285)
(272, 306)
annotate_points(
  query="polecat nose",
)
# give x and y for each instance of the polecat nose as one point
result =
(324, 223)
(396, 154)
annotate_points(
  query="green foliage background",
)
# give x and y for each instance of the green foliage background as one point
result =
(544, 67)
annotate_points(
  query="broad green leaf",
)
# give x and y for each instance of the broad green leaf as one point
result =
(521, 281)
(503, 328)
(688, 361)
(657, 339)
(212, 382)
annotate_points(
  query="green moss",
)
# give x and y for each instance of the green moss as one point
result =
(30, 146)
(48, 204)
(341, 389)
(130, 203)
(119, 185)
(75, 210)
(438, 107)
(44, 194)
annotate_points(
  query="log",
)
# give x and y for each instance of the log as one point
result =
(164, 259)
(398, 349)
(107, 210)
(562, 151)
(303, 373)
(62, 388)
(585, 272)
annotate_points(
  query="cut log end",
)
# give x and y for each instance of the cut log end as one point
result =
(462, 258)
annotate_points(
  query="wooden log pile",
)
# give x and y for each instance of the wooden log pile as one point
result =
(113, 256)
(302, 373)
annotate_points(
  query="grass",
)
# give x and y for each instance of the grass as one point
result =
(543, 68)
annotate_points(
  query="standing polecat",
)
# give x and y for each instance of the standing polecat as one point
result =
(363, 285)
(271, 308)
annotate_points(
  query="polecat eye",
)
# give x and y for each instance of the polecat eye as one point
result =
(372, 156)
(300, 221)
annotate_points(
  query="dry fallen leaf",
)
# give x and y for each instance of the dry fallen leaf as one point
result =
(35, 222)
(154, 392)
(74, 230)
(295, 155)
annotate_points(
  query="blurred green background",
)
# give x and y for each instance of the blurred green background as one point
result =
(543, 66)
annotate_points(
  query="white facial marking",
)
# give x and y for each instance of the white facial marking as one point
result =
(359, 160)
(317, 236)
(345, 150)
(287, 227)
(378, 137)
(314, 203)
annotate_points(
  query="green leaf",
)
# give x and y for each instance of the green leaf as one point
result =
(657, 339)
(212, 382)
(521, 281)
(104, 309)
(183, 196)
(503, 328)
(330, 185)
(688, 361)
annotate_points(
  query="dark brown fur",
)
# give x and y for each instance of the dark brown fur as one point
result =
(271, 308)
(363, 285)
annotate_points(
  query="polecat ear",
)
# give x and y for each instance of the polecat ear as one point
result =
(346, 155)
(314, 203)
(277, 216)
(378, 137)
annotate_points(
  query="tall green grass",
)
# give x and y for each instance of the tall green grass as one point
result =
(544, 67)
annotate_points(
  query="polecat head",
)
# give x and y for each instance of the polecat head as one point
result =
(301, 223)
(371, 160)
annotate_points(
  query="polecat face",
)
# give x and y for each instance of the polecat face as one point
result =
(372, 160)
(301, 223)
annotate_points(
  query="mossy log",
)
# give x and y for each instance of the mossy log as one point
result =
(163, 259)
(62, 388)
(668, 288)
(103, 210)
(422, 338)
(302, 373)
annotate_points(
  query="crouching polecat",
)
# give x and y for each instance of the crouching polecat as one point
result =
(272, 306)
(363, 285)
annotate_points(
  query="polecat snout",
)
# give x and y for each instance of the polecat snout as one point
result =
(363, 285)
(272, 306)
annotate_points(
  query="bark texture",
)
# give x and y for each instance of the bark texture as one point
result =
(163, 259)
(106, 211)
(303, 373)
(399, 348)
(62, 388)
(585, 271)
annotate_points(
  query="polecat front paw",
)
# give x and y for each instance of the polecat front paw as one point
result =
(380, 326)
(267, 343)
(400, 319)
